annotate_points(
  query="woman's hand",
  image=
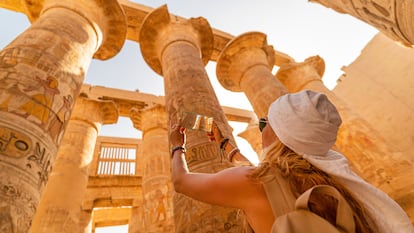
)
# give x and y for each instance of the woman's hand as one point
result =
(177, 134)
(215, 134)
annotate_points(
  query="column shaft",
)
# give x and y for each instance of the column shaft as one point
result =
(156, 178)
(137, 221)
(245, 64)
(40, 74)
(85, 222)
(179, 50)
(59, 209)
(366, 150)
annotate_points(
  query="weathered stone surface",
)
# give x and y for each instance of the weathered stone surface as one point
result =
(391, 17)
(41, 73)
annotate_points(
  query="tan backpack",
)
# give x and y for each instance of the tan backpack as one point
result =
(302, 219)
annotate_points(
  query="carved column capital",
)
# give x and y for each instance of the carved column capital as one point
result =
(95, 111)
(110, 30)
(155, 117)
(241, 54)
(160, 29)
(296, 75)
(245, 64)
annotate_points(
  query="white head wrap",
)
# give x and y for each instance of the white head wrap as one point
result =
(308, 123)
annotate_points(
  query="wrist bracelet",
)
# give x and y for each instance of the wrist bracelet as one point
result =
(223, 143)
(177, 148)
(232, 153)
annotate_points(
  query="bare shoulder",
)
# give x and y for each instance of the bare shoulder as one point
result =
(238, 174)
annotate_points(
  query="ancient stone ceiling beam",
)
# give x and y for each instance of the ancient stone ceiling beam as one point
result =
(129, 99)
(126, 100)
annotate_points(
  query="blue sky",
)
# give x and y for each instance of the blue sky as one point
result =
(296, 27)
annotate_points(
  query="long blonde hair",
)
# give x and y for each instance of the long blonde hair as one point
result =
(302, 175)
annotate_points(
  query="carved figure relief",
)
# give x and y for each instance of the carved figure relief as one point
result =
(40, 103)
(160, 210)
(58, 122)
(15, 217)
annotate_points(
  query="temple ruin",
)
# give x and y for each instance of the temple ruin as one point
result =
(58, 175)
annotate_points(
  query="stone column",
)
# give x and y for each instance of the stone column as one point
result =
(253, 135)
(245, 64)
(178, 49)
(136, 222)
(59, 209)
(156, 176)
(391, 17)
(85, 222)
(41, 73)
(366, 150)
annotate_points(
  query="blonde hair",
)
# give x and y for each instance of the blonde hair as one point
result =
(302, 175)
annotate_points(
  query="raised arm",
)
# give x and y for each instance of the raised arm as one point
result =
(230, 187)
(233, 154)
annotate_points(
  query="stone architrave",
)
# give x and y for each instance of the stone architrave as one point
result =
(178, 49)
(41, 73)
(391, 17)
(245, 64)
(59, 209)
(366, 150)
(156, 174)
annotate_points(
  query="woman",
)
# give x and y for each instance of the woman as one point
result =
(297, 137)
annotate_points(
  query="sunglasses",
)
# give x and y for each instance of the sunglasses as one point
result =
(262, 123)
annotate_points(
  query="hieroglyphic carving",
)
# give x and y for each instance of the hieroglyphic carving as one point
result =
(13, 143)
(42, 159)
(60, 215)
(37, 94)
(12, 216)
(156, 206)
(203, 152)
(200, 222)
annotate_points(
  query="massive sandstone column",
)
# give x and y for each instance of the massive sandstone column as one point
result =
(178, 50)
(391, 17)
(156, 176)
(59, 209)
(361, 144)
(136, 222)
(41, 73)
(245, 64)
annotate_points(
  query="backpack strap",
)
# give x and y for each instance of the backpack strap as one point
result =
(278, 193)
(344, 215)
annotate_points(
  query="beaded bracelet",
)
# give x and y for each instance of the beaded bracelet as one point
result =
(177, 148)
(232, 153)
(223, 143)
